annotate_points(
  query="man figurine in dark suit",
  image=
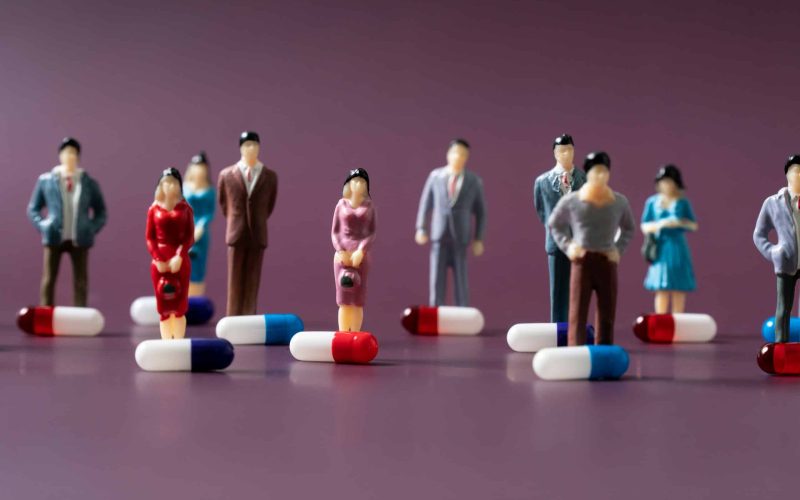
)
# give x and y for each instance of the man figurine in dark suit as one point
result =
(247, 193)
(547, 190)
(452, 196)
(76, 212)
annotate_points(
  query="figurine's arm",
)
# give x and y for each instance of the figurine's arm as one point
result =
(207, 213)
(649, 223)
(627, 228)
(479, 209)
(686, 218)
(98, 206)
(36, 204)
(336, 230)
(188, 240)
(150, 236)
(425, 204)
(366, 243)
(764, 225)
(538, 201)
(559, 224)
(273, 196)
(223, 195)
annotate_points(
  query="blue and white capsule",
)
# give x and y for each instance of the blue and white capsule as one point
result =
(262, 329)
(768, 329)
(184, 355)
(585, 362)
(144, 311)
(533, 337)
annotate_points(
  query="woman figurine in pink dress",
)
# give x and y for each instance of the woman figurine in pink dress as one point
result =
(352, 234)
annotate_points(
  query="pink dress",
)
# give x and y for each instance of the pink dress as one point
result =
(353, 228)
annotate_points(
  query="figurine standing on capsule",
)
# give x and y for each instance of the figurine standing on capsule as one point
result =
(198, 190)
(453, 196)
(352, 234)
(76, 212)
(169, 235)
(666, 218)
(548, 189)
(584, 225)
(247, 193)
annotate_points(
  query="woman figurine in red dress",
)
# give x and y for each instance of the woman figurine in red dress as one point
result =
(170, 234)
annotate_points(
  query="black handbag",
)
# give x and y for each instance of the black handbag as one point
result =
(650, 248)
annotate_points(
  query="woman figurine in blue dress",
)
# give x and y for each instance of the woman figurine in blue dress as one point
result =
(668, 215)
(199, 193)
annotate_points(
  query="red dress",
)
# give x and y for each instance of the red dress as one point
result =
(166, 231)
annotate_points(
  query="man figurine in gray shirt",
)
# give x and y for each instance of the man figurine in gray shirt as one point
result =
(548, 188)
(781, 212)
(584, 225)
(452, 196)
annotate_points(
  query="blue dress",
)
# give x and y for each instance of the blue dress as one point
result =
(672, 270)
(203, 203)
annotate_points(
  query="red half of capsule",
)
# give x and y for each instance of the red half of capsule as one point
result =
(780, 358)
(36, 320)
(354, 347)
(655, 328)
(421, 320)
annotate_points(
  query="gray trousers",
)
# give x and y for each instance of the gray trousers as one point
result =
(448, 254)
(559, 266)
(786, 286)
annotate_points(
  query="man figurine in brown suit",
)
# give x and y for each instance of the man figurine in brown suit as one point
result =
(247, 193)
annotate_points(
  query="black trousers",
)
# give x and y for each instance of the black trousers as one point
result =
(786, 286)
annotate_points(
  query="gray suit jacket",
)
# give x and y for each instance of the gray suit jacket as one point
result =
(776, 214)
(455, 219)
(546, 193)
(47, 194)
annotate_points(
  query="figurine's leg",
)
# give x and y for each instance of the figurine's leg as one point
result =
(52, 258)
(605, 283)
(80, 274)
(197, 289)
(460, 281)
(164, 327)
(178, 327)
(662, 302)
(438, 276)
(786, 284)
(235, 266)
(559, 267)
(350, 318)
(251, 278)
(678, 302)
(580, 293)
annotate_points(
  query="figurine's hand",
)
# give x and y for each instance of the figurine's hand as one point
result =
(198, 233)
(477, 248)
(421, 238)
(651, 227)
(356, 258)
(671, 223)
(343, 256)
(575, 251)
(175, 264)
(613, 256)
(161, 265)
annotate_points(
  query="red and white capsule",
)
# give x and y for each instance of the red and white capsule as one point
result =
(443, 320)
(334, 347)
(59, 320)
(675, 328)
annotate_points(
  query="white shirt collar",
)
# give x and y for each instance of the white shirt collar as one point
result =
(59, 171)
(242, 165)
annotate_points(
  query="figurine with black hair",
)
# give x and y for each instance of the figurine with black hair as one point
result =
(548, 189)
(584, 225)
(666, 218)
(170, 234)
(247, 193)
(198, 190)
(453, 198)
(352, 234)
(76, 212)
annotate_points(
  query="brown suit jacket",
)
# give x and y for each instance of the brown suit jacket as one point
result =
(247, 216)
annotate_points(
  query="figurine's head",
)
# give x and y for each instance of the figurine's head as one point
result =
(169, 190)
(598, 168)
(792, 171)
(198, 173)
(458, 154)
(564, 150)
(69, 151)
(357, 182)
(249, 145)
(669, 181)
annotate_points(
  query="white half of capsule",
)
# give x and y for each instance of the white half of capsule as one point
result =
(563, 363)
(693, 327)
(83, 321)
(242, 329)
(312, 346)
(532, 337)
(170, 355)
(454, 320)
(144, 311)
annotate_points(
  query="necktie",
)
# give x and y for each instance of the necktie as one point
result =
(249, 175)
(69, 184)
(566, 185)
(452, 187)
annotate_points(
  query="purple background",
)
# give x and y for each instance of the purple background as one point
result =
(712, 88)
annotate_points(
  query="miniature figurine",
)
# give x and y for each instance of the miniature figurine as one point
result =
(199, 193)
(547, 190)
(247, 193)
(667, 216)
(781, 213)
(170, 234)
(76, 212)
(584, 225)
(352, 233)
(452, 195)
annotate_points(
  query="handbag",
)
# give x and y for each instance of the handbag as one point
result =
(650, 248)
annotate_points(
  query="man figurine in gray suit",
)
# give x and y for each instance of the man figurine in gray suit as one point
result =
(781, 213)
(452, 195)
(75, 214)
(547, 190)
